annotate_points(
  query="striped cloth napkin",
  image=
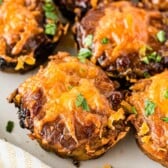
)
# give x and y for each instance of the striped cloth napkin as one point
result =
(14, 157)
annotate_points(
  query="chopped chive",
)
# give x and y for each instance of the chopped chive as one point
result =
(165, 119)
(51, 15)
(81, 102)
(145, 60)
(161, 36)
(165, 94)
(50, 29)
(149, 107)
(105, 40)
(9, 126)
(83, 54)
(152, 56)
(88, 40)
(158, 58)
(48, 7)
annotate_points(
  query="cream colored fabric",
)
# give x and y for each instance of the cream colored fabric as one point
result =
(14, 157)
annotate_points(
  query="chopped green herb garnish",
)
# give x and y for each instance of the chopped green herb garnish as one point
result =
(50, 29)
(1, 2)
(10, 126)
(48, 7)
(154, 56)
(83, 54)
(165, 94)
(105, 40)
(158, 58)
(145, 60)
(51, 15)
(144, 49)
(81, 102)
(133, 110)
(161, 36)
(165, 119)
(149, 107)
(88, 40)
(48, 1)
(146, 75)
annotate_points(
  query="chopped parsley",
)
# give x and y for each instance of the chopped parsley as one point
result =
(9, 126)
(154, 56)
(165, 119)
(81, 102)
(51, 15)
(50, 29)
(105, 40)
(149, 107)
(133, 110)
(83, 54)
(88, 40)
(165, 94)
(52, 18)
(161, 36)
(1, 2)
(145, 60)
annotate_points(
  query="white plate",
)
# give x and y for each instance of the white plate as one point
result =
(125, 154)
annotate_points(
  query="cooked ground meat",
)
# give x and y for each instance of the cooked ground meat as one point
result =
(28, 31)
(126, 41)
(150, 103)
(72, 108)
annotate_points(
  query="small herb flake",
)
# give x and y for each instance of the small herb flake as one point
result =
(133, 110)
(88, 40)
(1, 2)
(145, 60)
(81, 102)
(83, 54)
(165, 94)
(10, 126)
(161, 36)
(149, 107)
(165, 119)
(105, 40)
(50, 29)
(51, 15)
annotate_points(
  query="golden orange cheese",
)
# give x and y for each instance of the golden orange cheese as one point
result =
(126, 27)
(17, 24)
(152, 128)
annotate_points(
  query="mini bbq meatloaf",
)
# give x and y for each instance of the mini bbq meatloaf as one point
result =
(69, 108)
(126, 41)
(28, 31)
(149, 102)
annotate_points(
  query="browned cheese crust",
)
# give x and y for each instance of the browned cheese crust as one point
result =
(130, 36)
(47, 103)
(23, 39)
(150, 100)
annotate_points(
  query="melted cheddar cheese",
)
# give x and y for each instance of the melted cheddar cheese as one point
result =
(18, 23)
(126, 27)
(152, 133)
